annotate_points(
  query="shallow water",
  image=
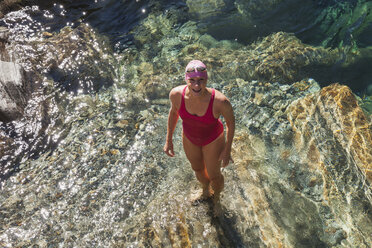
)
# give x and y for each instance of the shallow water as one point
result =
(84, 166)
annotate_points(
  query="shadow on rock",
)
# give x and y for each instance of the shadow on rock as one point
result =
(225, 224)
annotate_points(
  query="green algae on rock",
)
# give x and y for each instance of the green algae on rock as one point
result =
(280, 57)
(276, 56)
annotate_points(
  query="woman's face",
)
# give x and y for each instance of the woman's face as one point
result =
(197, 85)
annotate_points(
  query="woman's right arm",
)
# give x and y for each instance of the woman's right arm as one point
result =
(172, 122)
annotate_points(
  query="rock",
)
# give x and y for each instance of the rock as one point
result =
(337, 108)
(301, 176)
(122, 123)
(333, 135)
(279, 57)
(6, 6)
(313, 152)
(77, 59)
(13, 5)
(202, 9)
(76, 64)
(369, 90)
(4, 34)
(12, 94)
(292, 183)
(7, 147)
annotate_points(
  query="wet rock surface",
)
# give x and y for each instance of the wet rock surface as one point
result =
(13, 5)
(295, 182)
(337, 107)
(57, 66)
(90, 168)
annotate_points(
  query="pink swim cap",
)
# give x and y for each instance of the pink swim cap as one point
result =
(196, 68)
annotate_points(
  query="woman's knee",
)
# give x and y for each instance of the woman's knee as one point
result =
(198, 166)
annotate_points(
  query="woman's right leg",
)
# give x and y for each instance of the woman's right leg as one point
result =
(195, 156)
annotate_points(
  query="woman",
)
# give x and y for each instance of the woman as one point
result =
(203, 133)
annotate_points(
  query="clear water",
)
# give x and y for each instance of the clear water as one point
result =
(84, 167)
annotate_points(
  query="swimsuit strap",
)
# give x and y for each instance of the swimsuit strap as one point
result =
(183, 98)
(210, 106)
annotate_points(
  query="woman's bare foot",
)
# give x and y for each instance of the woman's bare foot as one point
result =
(207, 192)
(205, 195)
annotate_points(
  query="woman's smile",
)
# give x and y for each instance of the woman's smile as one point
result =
(196, 85)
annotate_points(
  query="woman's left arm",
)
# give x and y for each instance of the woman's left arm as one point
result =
(228, 113)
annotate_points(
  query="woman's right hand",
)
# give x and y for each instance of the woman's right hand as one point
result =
(168, 148)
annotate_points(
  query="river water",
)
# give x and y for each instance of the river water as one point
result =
(84, 166)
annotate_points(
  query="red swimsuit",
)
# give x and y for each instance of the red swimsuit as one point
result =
(200, 130)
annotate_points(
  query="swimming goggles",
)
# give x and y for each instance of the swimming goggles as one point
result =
(196, 69)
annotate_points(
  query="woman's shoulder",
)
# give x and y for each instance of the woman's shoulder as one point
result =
(178, 88)
(176, 93)
(221, 101)
(219, 96)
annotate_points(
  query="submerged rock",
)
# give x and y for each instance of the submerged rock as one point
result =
(297, 181)
(76, 63)
(203, 9)
(288, 187)
(333, 134)
(13, 5)
(279, 57)
(302, 154)
(57, 68)
(303, 170)
(166, 38)
(336, 109)
(76, 59)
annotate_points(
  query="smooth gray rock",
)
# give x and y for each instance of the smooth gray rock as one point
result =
(4, 33)
(12, 95)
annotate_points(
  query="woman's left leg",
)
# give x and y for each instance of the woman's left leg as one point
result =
(195, 155)
(211, 154)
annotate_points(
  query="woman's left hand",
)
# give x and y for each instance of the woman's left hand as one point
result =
(225, 157)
